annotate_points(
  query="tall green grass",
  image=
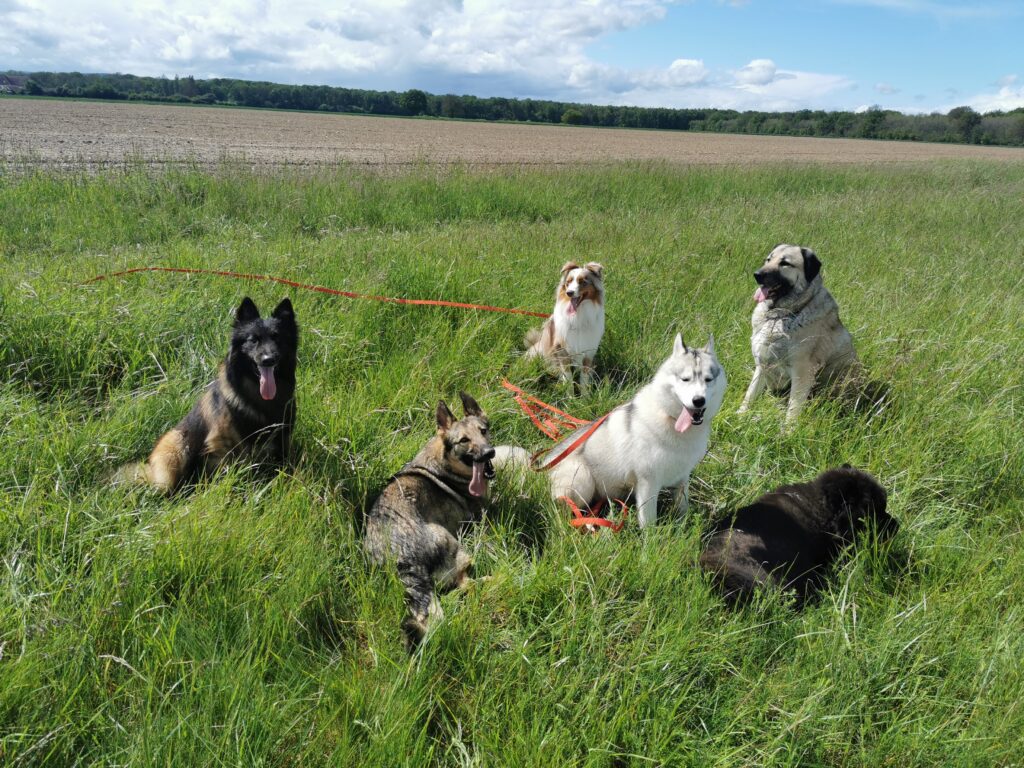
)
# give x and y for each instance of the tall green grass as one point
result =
(240, 625)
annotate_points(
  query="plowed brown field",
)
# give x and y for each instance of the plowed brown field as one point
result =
(93, 134)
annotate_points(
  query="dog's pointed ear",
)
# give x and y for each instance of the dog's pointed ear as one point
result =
(678, 347)
(596, 268)
(812, 264)
(469, 405)
(246, 312)
(569, 265)
(710, 346)
(445, 417)
(284, 311)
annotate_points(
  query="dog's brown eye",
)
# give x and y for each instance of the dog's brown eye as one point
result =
(464, 440)
(686, 378)
(785, 264)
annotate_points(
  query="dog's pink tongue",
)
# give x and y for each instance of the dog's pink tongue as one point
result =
(684, 421)
(478, 485)
(268, 384)
(574, 304)
(760, 294)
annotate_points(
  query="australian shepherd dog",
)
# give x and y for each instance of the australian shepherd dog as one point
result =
(571, 336)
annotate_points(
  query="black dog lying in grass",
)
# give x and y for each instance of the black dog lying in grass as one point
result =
(790, 537)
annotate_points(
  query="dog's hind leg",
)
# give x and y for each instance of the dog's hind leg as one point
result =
(681, 499)
(169, 463)
(755, 389)
(419, 601)
(456, 562)
(437, 562)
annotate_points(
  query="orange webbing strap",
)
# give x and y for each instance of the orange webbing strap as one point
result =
(567, 450)
(320, 289)
(580, 520)
(551, 425)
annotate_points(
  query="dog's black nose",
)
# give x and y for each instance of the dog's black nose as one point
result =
(759, 277)
(698, 402)
(570, 293)
(487, 455)
(268, 361)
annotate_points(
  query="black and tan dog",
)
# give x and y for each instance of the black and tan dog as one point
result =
(248, 411)
(790, 537)
(419, 515)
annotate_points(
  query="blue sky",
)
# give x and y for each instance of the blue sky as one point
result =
(912, 55)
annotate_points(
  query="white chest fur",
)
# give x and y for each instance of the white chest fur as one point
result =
(581, 331)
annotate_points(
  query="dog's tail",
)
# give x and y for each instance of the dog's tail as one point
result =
(533, 336)
(129, 475)
(511, 457)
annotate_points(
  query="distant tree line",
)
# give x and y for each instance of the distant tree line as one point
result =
(960, 125)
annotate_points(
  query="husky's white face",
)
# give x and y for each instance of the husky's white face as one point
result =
(697, 381)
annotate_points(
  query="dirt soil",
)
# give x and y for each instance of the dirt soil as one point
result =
(64, 133)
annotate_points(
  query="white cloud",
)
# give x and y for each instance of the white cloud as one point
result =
(757, 72)
(886, 89)
(527, 48)
(1009, 96)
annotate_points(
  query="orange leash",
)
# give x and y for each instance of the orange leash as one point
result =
(320, 289)
(580, 520)
(552, 426)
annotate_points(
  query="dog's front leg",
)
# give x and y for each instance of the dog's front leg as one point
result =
(800, 389)
(586, 373)
(754, 390)
(646, 503)
(681, 500)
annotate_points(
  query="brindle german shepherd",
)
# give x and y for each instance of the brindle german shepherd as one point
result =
(247, 411)
(417, 517)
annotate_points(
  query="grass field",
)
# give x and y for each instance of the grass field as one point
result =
(240, 625)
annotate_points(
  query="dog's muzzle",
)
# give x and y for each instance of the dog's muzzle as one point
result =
(485, 459)
(697, 414)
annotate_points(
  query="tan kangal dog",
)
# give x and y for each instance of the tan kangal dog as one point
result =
(798, 338)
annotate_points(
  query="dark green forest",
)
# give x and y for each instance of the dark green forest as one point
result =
(959, 125)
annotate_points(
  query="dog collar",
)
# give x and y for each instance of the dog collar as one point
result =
(421, 471)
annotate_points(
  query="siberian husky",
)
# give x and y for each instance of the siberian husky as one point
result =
(571, 336)
(652, 442)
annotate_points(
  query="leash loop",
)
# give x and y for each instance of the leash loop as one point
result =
(580, 520)
(552, 426)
